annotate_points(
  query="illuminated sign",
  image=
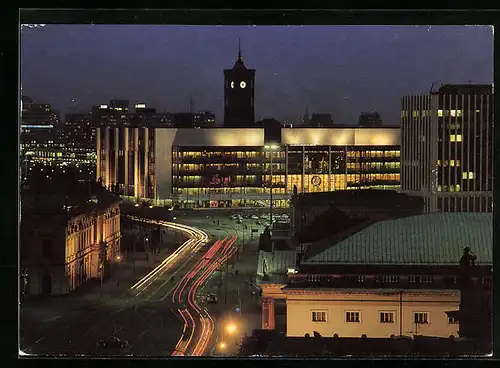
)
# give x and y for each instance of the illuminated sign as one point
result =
(103, 106)
(140, 106)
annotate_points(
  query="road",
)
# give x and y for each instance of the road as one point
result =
(72, 326)
(151, 317)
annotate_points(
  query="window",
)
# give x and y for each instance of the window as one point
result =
(319, 316)
(468, 175)
(452, 320)
(386, 317)
(352, 316)
(421, 317)
(455, 138)
(440, 113)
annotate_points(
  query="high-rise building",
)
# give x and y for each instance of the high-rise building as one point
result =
(40, 131)
(369, 119)
(446, 148)
(239, 104)
(113, 114)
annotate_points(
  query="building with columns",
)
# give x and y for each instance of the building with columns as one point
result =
(225, 167)
(394, 277)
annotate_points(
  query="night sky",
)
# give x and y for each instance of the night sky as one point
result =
(343, 70)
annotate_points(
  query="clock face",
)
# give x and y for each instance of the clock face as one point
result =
(232, 84)
(243, 84)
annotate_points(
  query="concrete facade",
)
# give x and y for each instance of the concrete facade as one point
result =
(370, 304)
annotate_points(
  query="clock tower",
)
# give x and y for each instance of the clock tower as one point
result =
(239, 110)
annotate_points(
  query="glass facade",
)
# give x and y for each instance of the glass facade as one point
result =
(244, 176)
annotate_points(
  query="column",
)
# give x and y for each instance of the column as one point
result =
(329, 168)
(268, 321)
(286, 168)
(303, 167)
(125, 157)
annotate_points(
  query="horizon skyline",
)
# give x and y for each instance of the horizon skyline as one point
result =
(272, 77)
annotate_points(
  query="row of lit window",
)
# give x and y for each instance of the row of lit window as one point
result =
(374, 165)
(373, 154)
(452, 163)
(449, 188)
(440, 113)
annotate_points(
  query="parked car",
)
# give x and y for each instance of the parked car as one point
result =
(112, 343)
(254, 217)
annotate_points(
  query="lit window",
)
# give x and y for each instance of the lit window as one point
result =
(386, 317)
(455, 138)
(468, 175)
(452, 162)
(420, 317)
(440, 188)
(477, 111)
(457, 188)
(319, 316)
(439, 162)
(352, 316)
(459, 113)
(440, 113)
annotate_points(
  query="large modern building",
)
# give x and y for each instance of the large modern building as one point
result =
(446, 148)
(222, 167)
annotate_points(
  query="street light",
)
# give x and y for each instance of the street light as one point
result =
(231, 328)
(222, 345)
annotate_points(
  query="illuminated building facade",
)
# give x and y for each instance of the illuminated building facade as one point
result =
(222, 167)
(60, 252)
(446, 148)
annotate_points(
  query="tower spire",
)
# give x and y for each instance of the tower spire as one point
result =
(239, 49)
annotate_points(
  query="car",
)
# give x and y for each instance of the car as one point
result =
(112, 343)
(254, 217)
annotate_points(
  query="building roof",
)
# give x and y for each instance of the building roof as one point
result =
(431, 239)
(341, 136)
(377, 291)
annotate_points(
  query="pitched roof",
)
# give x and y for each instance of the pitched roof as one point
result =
(431, 239)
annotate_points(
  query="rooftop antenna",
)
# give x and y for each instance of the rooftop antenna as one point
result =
(432, 86)
(239, 49)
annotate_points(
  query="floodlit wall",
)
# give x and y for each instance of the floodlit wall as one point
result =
(435, 303)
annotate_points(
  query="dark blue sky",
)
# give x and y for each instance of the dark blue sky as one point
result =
(343, 70)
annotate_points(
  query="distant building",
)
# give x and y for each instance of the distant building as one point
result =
(113, 114)
(447, 148)
(369, 119)
(321, 121)
(41, 132)
(67, 236)
(239, 104)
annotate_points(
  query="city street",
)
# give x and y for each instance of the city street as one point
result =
(161, 313)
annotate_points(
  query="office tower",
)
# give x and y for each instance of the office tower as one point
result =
(113, 114)
(446, 153)
(239, 105)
